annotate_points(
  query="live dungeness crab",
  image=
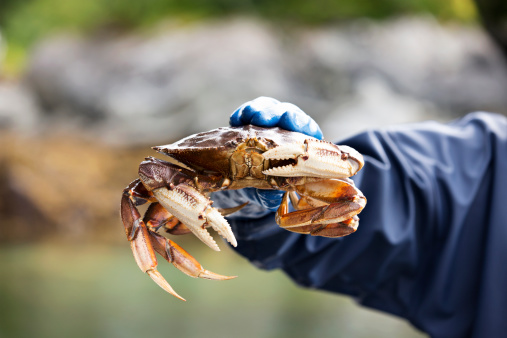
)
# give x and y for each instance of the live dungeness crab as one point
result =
(313, 173)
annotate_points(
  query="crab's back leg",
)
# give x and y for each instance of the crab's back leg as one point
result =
(157, 217)
(328, 208)
(144, 242)
(138, 234)
(182, 260)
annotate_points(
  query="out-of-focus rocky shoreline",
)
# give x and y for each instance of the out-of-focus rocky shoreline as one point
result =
(75, 126)
(151, 88)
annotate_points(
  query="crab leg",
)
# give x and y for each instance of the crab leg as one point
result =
(182, 260)
(157, 216)
(316, 159)
(140, 243)
(327, 208)
(315, 228)
(146, 260)
(332, 213)
(144, 243)
(332, 230)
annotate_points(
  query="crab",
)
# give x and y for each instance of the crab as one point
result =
(314, 175)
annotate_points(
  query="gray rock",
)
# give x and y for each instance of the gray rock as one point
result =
(18, 108)
(184, 79)
(147, 89)
(405, 70)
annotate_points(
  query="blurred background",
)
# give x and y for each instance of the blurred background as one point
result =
(86, 87)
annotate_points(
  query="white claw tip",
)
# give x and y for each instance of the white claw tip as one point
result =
(206, 274)
(157, 278)
(220, 224)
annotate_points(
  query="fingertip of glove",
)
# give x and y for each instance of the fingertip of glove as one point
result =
(235, 118)
(268, 119)
(258, 112)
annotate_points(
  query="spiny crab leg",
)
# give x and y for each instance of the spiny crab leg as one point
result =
(144, 242)
(327, 208)
(140, 243)
(332, 213)
(145, 258)
(182, 260)
(156, 217)
(314, 226)
(316, 159)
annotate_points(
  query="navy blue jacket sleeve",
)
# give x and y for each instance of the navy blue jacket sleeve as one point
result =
(432, 241)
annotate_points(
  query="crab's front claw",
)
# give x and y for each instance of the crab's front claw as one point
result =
(176, 191)
(316, 159)
(195, 211)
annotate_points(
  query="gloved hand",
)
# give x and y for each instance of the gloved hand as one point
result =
(264, 112)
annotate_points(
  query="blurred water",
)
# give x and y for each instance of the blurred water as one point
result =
(75, 290)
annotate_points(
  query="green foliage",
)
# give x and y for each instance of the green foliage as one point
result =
(26, 20)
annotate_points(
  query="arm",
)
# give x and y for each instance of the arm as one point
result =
(432, 242)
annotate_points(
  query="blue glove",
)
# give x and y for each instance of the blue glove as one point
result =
(268, 112)
(265, 112)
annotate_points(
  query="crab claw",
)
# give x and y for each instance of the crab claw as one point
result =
(315, 158)
(195, 211)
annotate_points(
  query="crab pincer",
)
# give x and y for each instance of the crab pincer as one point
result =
(315, 158)
(176, 191)
(195, 211)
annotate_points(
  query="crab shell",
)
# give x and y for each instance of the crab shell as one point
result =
(242, 153)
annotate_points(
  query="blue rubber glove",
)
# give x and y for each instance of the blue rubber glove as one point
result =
(265, 112)
(268, 112)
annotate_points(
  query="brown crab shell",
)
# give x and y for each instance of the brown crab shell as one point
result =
(210, 151)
